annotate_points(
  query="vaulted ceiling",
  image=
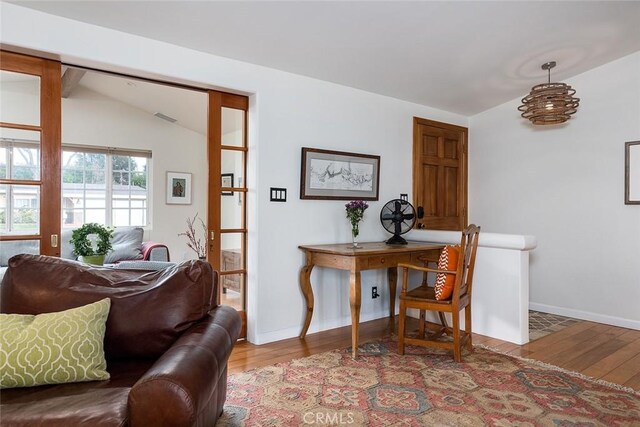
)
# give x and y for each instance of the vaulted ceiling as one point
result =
(188, 107)
(463, 57)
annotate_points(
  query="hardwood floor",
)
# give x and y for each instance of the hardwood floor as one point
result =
(599, 351)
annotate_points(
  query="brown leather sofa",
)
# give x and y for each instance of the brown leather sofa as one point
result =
(166, 344)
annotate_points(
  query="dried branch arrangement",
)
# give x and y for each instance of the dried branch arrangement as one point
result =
(199, 246)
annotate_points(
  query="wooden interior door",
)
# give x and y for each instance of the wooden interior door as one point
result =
(227, 213)
(440, 175)
(30, 155)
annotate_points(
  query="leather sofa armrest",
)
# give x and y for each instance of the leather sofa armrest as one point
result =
(152, 251)
(180, 385)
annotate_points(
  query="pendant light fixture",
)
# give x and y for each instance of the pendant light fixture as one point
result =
(549, 103)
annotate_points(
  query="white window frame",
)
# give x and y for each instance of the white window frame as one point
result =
(11, 143)
(110, 152)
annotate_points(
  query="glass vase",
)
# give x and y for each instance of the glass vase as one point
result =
(354, 236)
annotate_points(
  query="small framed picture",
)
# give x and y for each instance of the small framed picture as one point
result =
(178, 188)
(226, 181)
(632, 173)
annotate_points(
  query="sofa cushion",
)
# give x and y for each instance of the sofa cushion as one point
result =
(53, 348)
(127, 244)
(97, 403)
(10, 248)
(70, 406)
(143, 265)
(149, 310)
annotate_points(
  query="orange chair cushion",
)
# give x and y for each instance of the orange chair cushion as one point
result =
(444, 282)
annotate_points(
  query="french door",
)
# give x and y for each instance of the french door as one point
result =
(227, 217)
(30, 171)
(30, 150)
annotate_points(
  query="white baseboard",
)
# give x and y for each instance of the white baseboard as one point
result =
(586, 315)
(283, 334)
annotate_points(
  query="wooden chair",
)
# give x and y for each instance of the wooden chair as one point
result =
(423, 298)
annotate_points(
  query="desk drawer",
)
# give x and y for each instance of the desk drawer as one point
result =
(430, 256)
(382, 261)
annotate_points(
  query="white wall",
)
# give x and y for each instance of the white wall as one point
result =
(287, 112)
(565, 185)
(89, 118)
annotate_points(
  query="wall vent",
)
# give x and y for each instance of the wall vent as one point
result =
(165, 117)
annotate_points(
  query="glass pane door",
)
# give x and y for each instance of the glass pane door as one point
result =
(227, 202)
(29, 155)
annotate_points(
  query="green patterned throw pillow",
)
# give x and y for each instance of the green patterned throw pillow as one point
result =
(54, 348)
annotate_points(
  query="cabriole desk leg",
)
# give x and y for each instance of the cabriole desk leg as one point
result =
(307, 291)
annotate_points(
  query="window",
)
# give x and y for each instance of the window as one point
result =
(105, 186)
(19, 204)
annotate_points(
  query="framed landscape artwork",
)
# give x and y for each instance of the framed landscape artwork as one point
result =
(336, 175)
(178, 188)
(632, 173)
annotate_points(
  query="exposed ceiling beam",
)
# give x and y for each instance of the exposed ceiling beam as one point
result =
(70, 80)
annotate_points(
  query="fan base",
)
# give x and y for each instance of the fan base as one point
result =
(396, 240)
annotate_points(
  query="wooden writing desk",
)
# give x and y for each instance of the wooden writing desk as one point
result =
(368, 256)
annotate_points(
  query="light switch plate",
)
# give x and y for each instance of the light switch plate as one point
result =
(278, 194)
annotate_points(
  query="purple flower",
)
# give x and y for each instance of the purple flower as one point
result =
(355, 211)
(357, 204)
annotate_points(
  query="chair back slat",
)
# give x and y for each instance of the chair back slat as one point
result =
(466, 262)
(425, 261)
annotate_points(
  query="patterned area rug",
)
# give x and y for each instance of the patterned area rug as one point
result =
(423, 388)
(542, 324)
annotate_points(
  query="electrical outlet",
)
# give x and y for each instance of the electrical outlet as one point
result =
(374, 292)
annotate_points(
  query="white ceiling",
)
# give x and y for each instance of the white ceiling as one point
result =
(463, 57)
(188, 107)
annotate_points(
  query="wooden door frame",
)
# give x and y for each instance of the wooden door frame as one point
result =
(218, 101)
(51, 149)
(463, 191)
(50, 129)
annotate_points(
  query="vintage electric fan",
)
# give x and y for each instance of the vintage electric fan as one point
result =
(398, 217)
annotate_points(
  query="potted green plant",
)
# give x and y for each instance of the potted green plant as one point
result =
(83, 247)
